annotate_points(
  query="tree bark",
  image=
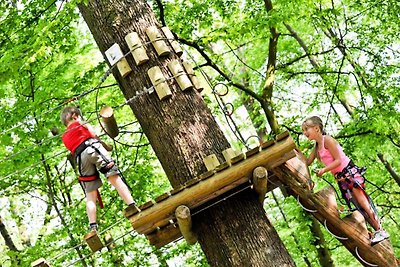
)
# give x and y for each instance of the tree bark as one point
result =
(294, 235)
(389, 168)
(267, 105)
(6, 236)
(182, 131)
(324, 255)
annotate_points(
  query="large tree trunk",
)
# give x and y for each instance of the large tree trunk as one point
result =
(182, 131)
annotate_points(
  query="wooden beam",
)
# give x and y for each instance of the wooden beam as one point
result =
(260, 178)
(109, 122)
(93, 241)
(358, 220)
(164, 236)
(350, 234)
(40, 263)
(184, 219)
(207, 189)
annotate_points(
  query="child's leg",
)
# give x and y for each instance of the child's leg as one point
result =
(91, 205)
(122, 188)
(362, 200)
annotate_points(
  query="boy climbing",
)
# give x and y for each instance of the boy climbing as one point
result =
(91, 157)
(348, 176)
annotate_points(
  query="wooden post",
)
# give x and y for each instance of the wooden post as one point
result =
(192, 76)
(260, 179)
(109, 241)
(229, 154)
(124, 68)
(159, 83)
(171, 39)
(115, 56)
(180, 76)
(157, 40)
(93, 241)
(109, 122)
(136, 46)
(54, 131)
(211, 162)
(184, 220)
(40, 263)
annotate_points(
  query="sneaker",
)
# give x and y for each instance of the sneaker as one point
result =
(93, 227)
(379, 236)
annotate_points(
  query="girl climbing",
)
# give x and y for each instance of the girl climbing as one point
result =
(348, 176)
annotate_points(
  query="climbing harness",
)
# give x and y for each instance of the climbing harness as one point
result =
(347, 179)
(92, 177)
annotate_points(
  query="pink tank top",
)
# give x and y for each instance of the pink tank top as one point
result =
(327, 158)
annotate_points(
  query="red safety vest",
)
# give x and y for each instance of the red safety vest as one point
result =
(75, 134)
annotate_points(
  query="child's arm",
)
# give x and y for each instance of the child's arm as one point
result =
(91, 130)
(304, 158)
(94, 135)
(330, 145)
(311, 158)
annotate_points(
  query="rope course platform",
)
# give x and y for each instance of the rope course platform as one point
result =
(157, 219)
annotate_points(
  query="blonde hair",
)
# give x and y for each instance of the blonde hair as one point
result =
(314, 121)
(68, 113)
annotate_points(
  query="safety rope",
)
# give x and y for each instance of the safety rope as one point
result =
(82, 243)
(106, 245)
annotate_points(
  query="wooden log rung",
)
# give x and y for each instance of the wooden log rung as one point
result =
(192, 182)
(130, 211)
(162, 197)
(176, 190)
(93, 241)
(252, 151)
(206, 175)
(222, 166)
(238, 158)
(267, 144)
(40, 263)
(147, 205)
(281, 136)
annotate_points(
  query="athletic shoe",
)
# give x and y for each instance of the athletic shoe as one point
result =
(379, 236)
(93, 228)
